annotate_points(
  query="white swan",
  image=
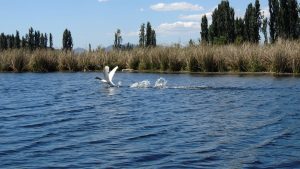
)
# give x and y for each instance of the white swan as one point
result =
(108, 76)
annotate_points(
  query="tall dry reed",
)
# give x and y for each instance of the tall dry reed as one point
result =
(282, 57)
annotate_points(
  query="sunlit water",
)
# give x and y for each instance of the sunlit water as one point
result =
(70, 120)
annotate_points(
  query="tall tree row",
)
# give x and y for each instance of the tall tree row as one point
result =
(284, 22)
(32, 40)
(147, 36)
(284, 19)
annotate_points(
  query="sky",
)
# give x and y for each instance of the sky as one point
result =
(95, 21)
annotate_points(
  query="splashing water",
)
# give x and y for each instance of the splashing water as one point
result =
(160, 83)
(119, 83)
(142, 84)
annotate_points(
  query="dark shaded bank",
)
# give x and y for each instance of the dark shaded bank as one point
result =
(282, 57)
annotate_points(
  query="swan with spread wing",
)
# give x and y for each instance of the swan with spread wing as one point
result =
(108, 76)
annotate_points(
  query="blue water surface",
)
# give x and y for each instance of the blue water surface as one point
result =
(70, 120)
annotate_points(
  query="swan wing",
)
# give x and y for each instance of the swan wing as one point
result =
(106, 73)
(112, 73)
(102, 80)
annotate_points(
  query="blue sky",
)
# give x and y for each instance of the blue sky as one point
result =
(95, 21)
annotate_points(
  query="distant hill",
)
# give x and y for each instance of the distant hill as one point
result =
(109, 48)
(79, 50)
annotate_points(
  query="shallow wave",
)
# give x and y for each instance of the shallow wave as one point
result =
(47, 123)
(266, 123)
(148, 135)
(271, 139)
(190, 87)
(151, 157)
(288, 164)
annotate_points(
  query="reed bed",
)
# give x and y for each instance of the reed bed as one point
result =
(282, 57)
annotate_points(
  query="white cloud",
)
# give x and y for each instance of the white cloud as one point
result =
(178, 27)
(195, 17)
(142, 9)
(102, 1)
(176, 6)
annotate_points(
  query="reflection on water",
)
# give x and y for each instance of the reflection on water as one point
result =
(110, 91)
(69, 120)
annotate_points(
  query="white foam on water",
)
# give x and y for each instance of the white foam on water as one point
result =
(142, 84)
(160, 83)
(119, 83)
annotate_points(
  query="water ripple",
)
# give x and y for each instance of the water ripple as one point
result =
(165, 121)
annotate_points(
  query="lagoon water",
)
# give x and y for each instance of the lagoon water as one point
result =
(70, 120)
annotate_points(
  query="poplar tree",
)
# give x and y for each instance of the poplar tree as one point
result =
(50, 41)
(239, 30)
(257, 22)
(37, 38)
(31, 38)
(293, 19)
(45, 40)
(250, 23)
(142, 36)
(204, 29)
(23, 42)
(2, 42)
(42, 41)
(284, 21)
(148, 35)
(273, 23)
(222, 27)
(153, 38)
(67, 40)
(118, 40)
(264, 30)
(17, 40)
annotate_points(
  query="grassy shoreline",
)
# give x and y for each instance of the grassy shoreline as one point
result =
(215, 73)
(280, 58)
(273, 74)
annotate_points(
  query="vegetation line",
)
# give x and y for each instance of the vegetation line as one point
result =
(228, 44)
(281, 57)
